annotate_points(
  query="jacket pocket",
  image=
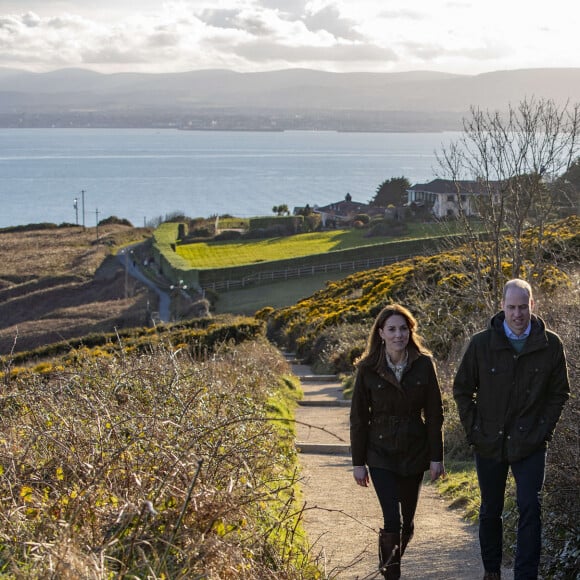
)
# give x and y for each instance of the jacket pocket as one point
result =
(487, 437)
(528, 435)
(396, 434)
(384, 434)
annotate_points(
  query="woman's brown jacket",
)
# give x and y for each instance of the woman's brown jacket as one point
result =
(397, 426)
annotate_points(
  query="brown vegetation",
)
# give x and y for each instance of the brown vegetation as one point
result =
(155, 464)
(62, 283)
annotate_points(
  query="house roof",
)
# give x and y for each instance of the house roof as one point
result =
(450, 186)
(343, 207)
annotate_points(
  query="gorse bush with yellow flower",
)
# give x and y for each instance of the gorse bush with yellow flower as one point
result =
(435, 288)
(200, 335)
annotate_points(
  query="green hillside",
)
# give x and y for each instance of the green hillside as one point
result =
(226, 254)
(437, 287)
(216, 254)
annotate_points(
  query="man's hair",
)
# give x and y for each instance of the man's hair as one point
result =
(517, 283)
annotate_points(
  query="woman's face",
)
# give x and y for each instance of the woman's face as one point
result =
(395, 332)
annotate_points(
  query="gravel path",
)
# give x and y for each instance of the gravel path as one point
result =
(342, 519)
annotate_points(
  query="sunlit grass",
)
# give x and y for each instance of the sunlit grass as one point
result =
(236, 253)
(460, 486)
(232, 223)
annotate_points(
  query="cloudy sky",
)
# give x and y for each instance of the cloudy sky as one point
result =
(457, 36)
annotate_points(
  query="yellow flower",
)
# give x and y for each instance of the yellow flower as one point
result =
(26, 493)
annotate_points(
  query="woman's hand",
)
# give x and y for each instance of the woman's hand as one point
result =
(437, 470)
(361, 475)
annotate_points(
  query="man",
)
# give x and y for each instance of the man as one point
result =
(510, 389)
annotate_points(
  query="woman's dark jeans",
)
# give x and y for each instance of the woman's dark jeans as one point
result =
(398, 497)
(529, 477)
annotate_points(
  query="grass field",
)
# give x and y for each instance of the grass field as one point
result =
(236, 253)
(247, 301)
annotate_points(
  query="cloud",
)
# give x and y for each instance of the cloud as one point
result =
(433, 52)
(245, 35)
(269, 20)
(330, 20)
(54, 41)
(30, 20)
(251, 21)
(402, 14)
(70, 40)
(219, 18)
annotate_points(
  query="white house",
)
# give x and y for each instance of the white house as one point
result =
(447, 198)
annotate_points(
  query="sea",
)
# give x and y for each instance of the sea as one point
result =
(145, 175)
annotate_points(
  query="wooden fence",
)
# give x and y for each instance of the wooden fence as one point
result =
(268, 276)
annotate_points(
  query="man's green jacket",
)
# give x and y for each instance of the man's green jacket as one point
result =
(510, 403)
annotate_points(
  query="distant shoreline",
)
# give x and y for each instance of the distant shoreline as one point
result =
(226, 130)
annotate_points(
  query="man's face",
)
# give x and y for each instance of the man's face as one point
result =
(517, 307)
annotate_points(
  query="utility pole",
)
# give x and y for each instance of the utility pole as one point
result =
(179, 288)
(83, 206)
(126, 273)
(97, 219)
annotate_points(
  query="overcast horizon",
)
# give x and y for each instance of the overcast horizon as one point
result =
(459, 37)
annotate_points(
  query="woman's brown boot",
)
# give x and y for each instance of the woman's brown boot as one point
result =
(390, 555)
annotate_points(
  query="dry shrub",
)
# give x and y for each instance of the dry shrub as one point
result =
(561, 553)
(72, 284)
(151, 465)
(561, 501)
(55, 251)
(336, 348)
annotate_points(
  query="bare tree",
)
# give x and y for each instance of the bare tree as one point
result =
(511, 159)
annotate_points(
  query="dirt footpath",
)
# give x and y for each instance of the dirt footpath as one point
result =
(342, 519)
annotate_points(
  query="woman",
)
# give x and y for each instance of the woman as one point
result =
(396, 422)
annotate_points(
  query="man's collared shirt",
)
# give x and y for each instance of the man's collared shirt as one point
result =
(512, 336)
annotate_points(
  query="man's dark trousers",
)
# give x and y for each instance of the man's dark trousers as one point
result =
(529, 478)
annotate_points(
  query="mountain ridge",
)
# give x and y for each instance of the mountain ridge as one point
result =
(438, 99)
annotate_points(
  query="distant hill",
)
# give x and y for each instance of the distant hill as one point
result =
(285, 99)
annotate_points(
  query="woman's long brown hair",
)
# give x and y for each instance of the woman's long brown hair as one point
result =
(374, 352)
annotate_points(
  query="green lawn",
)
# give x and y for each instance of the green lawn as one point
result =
(247, 301)
(236, 253)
